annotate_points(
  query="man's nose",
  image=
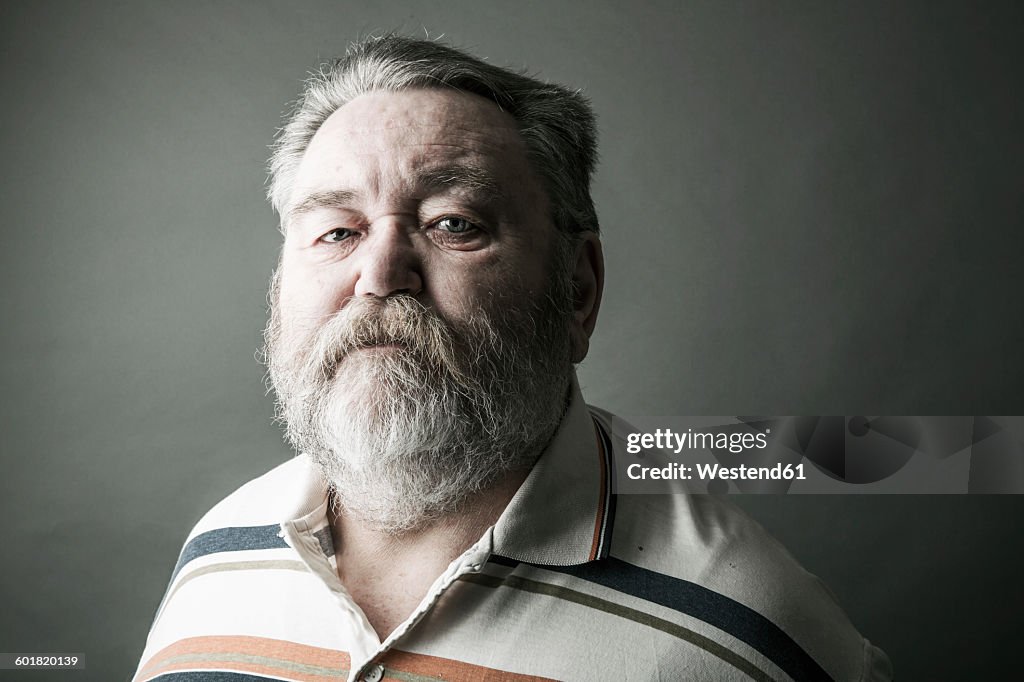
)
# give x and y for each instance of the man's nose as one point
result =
(389, 263)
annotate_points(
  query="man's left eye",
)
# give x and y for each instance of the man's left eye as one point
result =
(338, 234)
(455, 225)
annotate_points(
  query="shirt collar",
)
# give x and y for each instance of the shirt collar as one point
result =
(562, 514)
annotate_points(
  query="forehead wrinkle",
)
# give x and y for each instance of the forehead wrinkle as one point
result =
(386, 137)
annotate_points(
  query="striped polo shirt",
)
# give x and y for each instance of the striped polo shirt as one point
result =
(571, 583)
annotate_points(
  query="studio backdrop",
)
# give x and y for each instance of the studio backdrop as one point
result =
(807, 209)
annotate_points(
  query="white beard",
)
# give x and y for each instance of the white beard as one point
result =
(405, 435)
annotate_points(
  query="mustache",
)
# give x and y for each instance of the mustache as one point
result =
(399, 320)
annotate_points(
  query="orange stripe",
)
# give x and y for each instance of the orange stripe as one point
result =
(601, 495)
(252, 646)
(448, 669)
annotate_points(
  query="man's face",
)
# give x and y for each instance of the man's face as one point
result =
(419, 341)
(427, 192)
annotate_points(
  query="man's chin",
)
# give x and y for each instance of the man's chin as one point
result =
(379, 347)
(382, 357)
(359, 369)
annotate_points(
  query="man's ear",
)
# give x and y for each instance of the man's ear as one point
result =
(587, 284)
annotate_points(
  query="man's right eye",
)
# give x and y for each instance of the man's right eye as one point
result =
(336, 235)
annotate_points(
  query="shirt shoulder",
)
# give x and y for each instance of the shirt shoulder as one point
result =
(707, 557)
(238, 550)
(290, 490)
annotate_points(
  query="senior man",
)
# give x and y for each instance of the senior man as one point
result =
(451, 513)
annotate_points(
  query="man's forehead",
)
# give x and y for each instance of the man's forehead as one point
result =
(448, 113)
(416, 137)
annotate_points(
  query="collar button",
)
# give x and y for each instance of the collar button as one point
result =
(374, 674)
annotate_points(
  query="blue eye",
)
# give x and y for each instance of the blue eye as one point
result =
(455, 225)
(336, 235)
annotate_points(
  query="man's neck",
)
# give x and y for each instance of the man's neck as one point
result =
(388, 574)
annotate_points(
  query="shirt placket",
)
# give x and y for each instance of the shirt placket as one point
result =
(365, 649)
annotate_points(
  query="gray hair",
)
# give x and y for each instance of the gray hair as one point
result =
(557, 124)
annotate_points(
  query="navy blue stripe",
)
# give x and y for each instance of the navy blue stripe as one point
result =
(232, 539)
(212, 676)
(715, 609)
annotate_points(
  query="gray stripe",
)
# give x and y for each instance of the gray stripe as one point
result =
(590, 601)
(392, 674)
(403, 676)
(323, 536)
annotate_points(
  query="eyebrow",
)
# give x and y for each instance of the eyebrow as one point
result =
(461, 177)
(458, 177)
(338, 198)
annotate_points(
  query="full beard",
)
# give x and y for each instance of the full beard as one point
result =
(409, 415)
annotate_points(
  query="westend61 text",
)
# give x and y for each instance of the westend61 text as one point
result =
(710, 472)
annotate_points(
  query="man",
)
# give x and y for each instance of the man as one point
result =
(451, 514)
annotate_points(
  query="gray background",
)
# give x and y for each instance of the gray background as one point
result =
(808, 208)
